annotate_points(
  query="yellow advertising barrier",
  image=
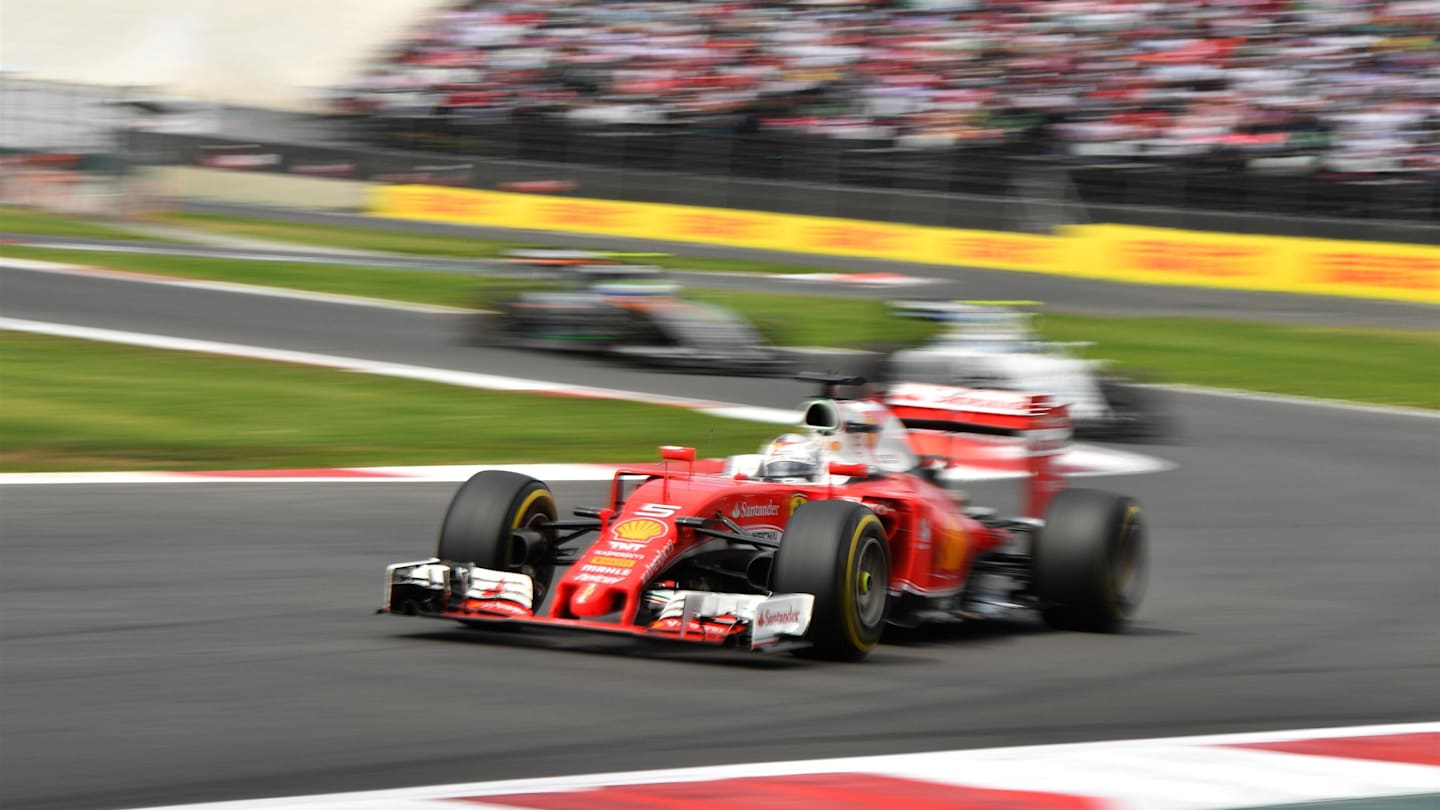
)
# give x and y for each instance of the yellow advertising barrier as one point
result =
(1114, 252)
(1163, 256)
(1272, 263)
(1401, 272)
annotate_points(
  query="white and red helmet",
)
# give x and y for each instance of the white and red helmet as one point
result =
(791, 457)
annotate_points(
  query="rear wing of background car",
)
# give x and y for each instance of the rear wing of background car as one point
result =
(597, 269)
(1042, 424)
(561, 257)
(982, 321)
(959, 310)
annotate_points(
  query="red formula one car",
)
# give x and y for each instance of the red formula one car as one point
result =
(814, 546)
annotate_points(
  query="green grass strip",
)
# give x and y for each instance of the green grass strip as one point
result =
(417, 287)
(75, 405)
(1386, 367)
(448, 245)
(41, 223)
(301, 233)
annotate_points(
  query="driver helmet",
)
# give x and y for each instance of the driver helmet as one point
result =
(791, 457)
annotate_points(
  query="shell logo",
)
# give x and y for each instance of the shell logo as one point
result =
(639, 530)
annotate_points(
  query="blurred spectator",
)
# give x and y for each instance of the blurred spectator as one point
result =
(1345, 86)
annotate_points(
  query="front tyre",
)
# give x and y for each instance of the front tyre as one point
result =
(1089, 561)
(480, 525)
(838, 551)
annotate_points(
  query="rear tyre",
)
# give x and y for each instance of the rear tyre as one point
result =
(480, 524)
(837, 550)
(1089, 561)
(1138, 414)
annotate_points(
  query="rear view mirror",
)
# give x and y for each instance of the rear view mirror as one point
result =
(671, 452)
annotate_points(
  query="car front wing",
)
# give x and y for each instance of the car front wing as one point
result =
(480, 596)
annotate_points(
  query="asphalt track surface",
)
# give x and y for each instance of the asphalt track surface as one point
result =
(167, 644)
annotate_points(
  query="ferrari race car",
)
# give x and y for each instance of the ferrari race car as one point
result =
(993, 346)
(752, 553)
(599, 305)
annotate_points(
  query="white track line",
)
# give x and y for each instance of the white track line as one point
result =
(37, 266)
(448, 473)
(1090, 460)
(357, 259)
(203, 252)
(1082, 461)
(1290, 399)
(465, 379)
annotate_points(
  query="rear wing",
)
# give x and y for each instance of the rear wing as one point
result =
(1042, 424)
(947, 310)
(569, 256)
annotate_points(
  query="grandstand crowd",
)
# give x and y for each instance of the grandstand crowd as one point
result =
(1337, 85)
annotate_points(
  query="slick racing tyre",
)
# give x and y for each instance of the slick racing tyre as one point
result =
(837, 550)
(1136, 413)
(1089, 561)
(483, 517)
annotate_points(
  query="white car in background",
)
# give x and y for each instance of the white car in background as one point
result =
(993, 345)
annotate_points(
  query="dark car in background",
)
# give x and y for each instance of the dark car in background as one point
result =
(595, 303)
